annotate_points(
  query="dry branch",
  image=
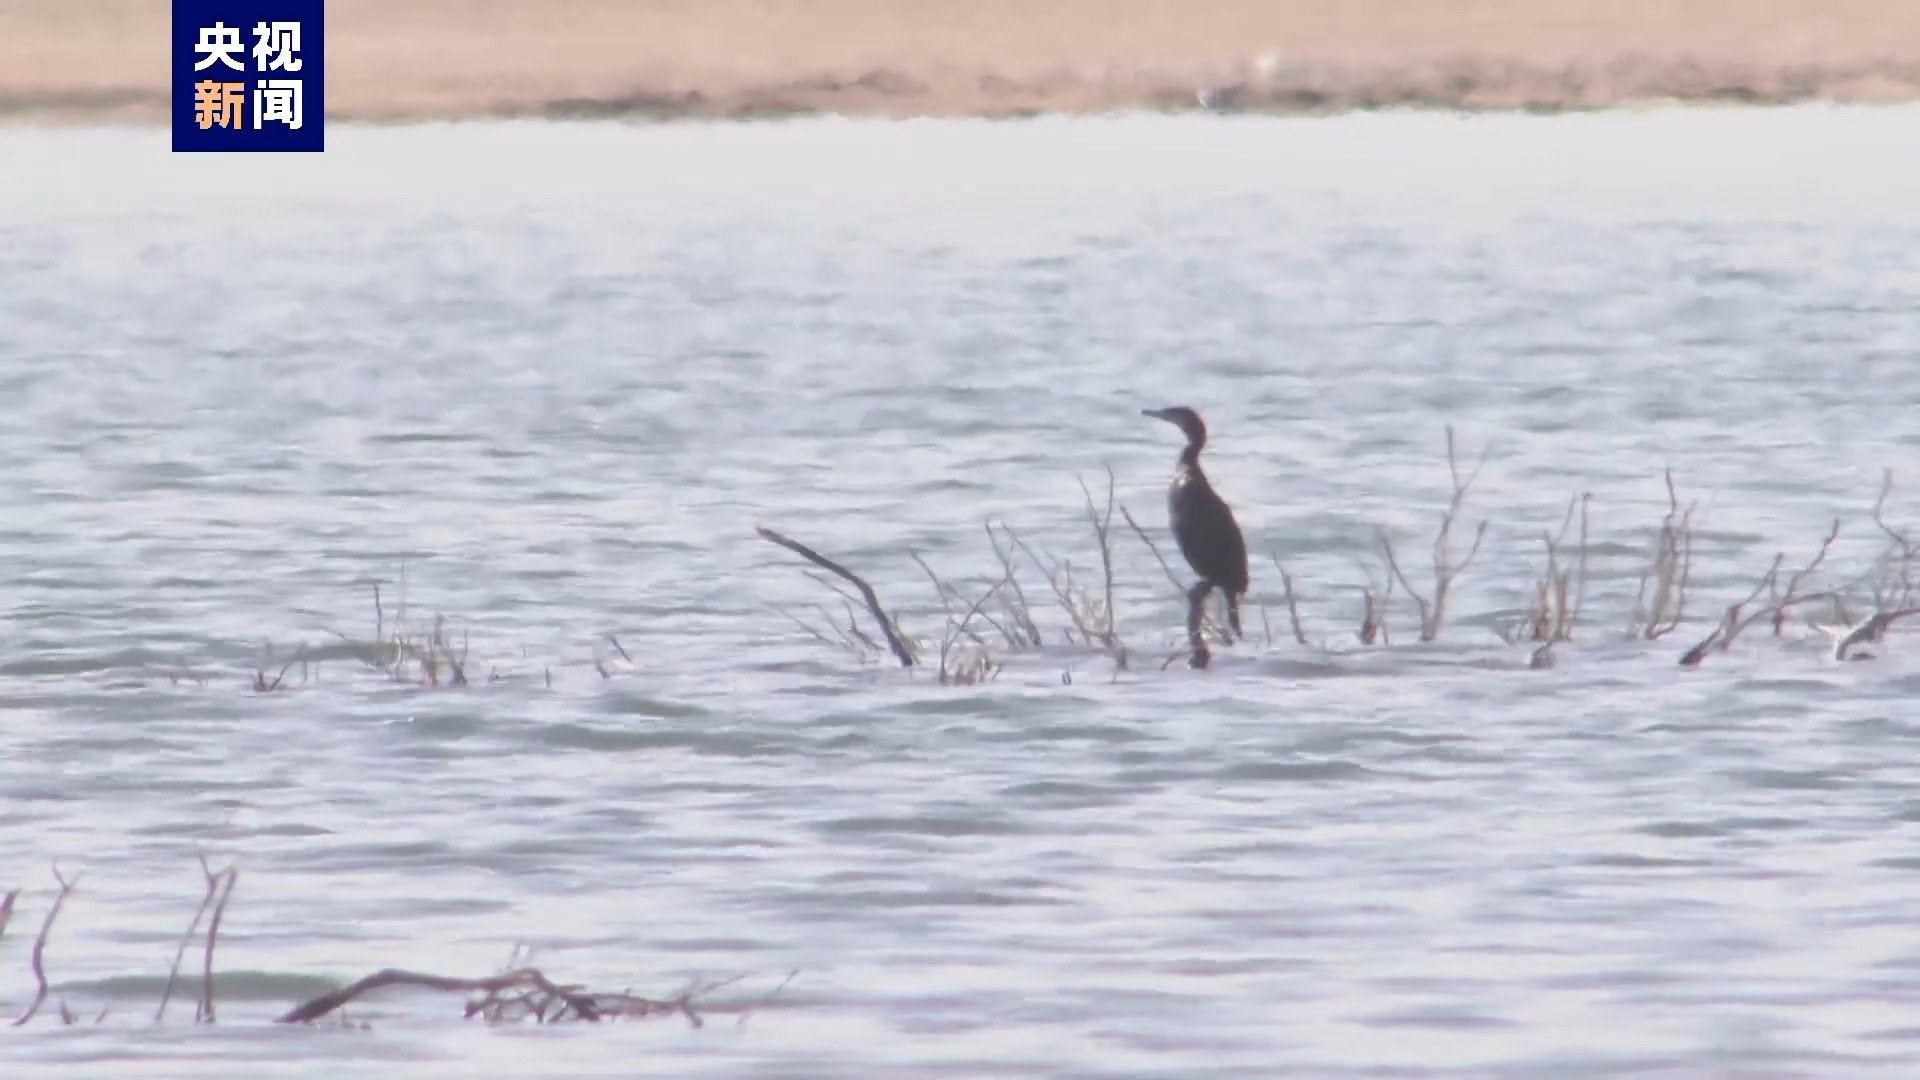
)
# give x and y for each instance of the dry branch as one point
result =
(977, 666)
(263, 685)
(1084, 612)
(1016, 607)
(1102, 523)
(408, 656)
(520, 993)
(1894, 588)
(1669, 569)
(950, 594)
(40, 947)
(1293, 605)
(223, 882)
(219, 889)
(1779, 603)
(1557, 600)
(894, 641)
(1378, 599)
(1445, 568)
(1869, 631)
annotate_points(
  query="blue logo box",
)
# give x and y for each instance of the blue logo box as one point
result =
(249, 76)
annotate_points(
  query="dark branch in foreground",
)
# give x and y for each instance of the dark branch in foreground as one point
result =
(522, 993)
(539, 996)
(894, 641)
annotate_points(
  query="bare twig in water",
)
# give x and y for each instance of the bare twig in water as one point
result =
(40, 947)
(894, 641)
(858, 646)
(978, 666)
(1081, 610)
(1895, 596)
(1555, 607)
(1894, 588)
(1782, 602)
(230, 876)
(406, 656)
(1669, 569)
(263, 685)
(1102, 522)
(1015, 605)
(1779, 603)
(1870, 631)
(772, 995)
(216, 883)
(950, 594)
(1377, 598)
(1730, 624)
(941, 589)
(1293, 606)
(518, 994)
(1445, 568)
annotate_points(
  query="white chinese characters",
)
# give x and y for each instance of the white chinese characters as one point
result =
(276, 44)
(218, 43)
(277, 101)
(257, 65)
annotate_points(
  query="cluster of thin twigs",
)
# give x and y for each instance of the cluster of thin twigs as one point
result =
(220, 885)
(407, 654)
(399, 652)
(520, 992)
(1891, 584)
(999, 620)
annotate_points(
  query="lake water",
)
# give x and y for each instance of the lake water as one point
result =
(553, 375)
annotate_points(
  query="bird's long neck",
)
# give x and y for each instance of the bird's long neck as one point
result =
(1190, 457)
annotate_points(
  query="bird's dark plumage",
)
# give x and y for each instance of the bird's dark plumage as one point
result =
(1202, 522)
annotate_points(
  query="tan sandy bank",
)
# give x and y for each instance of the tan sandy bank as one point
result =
(84, 60)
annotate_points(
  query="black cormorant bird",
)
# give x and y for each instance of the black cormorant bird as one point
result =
(1204, 526)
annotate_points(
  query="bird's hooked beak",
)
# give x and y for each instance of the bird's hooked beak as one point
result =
(1157, 414)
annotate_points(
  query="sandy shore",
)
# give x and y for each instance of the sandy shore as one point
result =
(88, 60)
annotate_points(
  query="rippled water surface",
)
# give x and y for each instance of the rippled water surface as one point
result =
(544, 380)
